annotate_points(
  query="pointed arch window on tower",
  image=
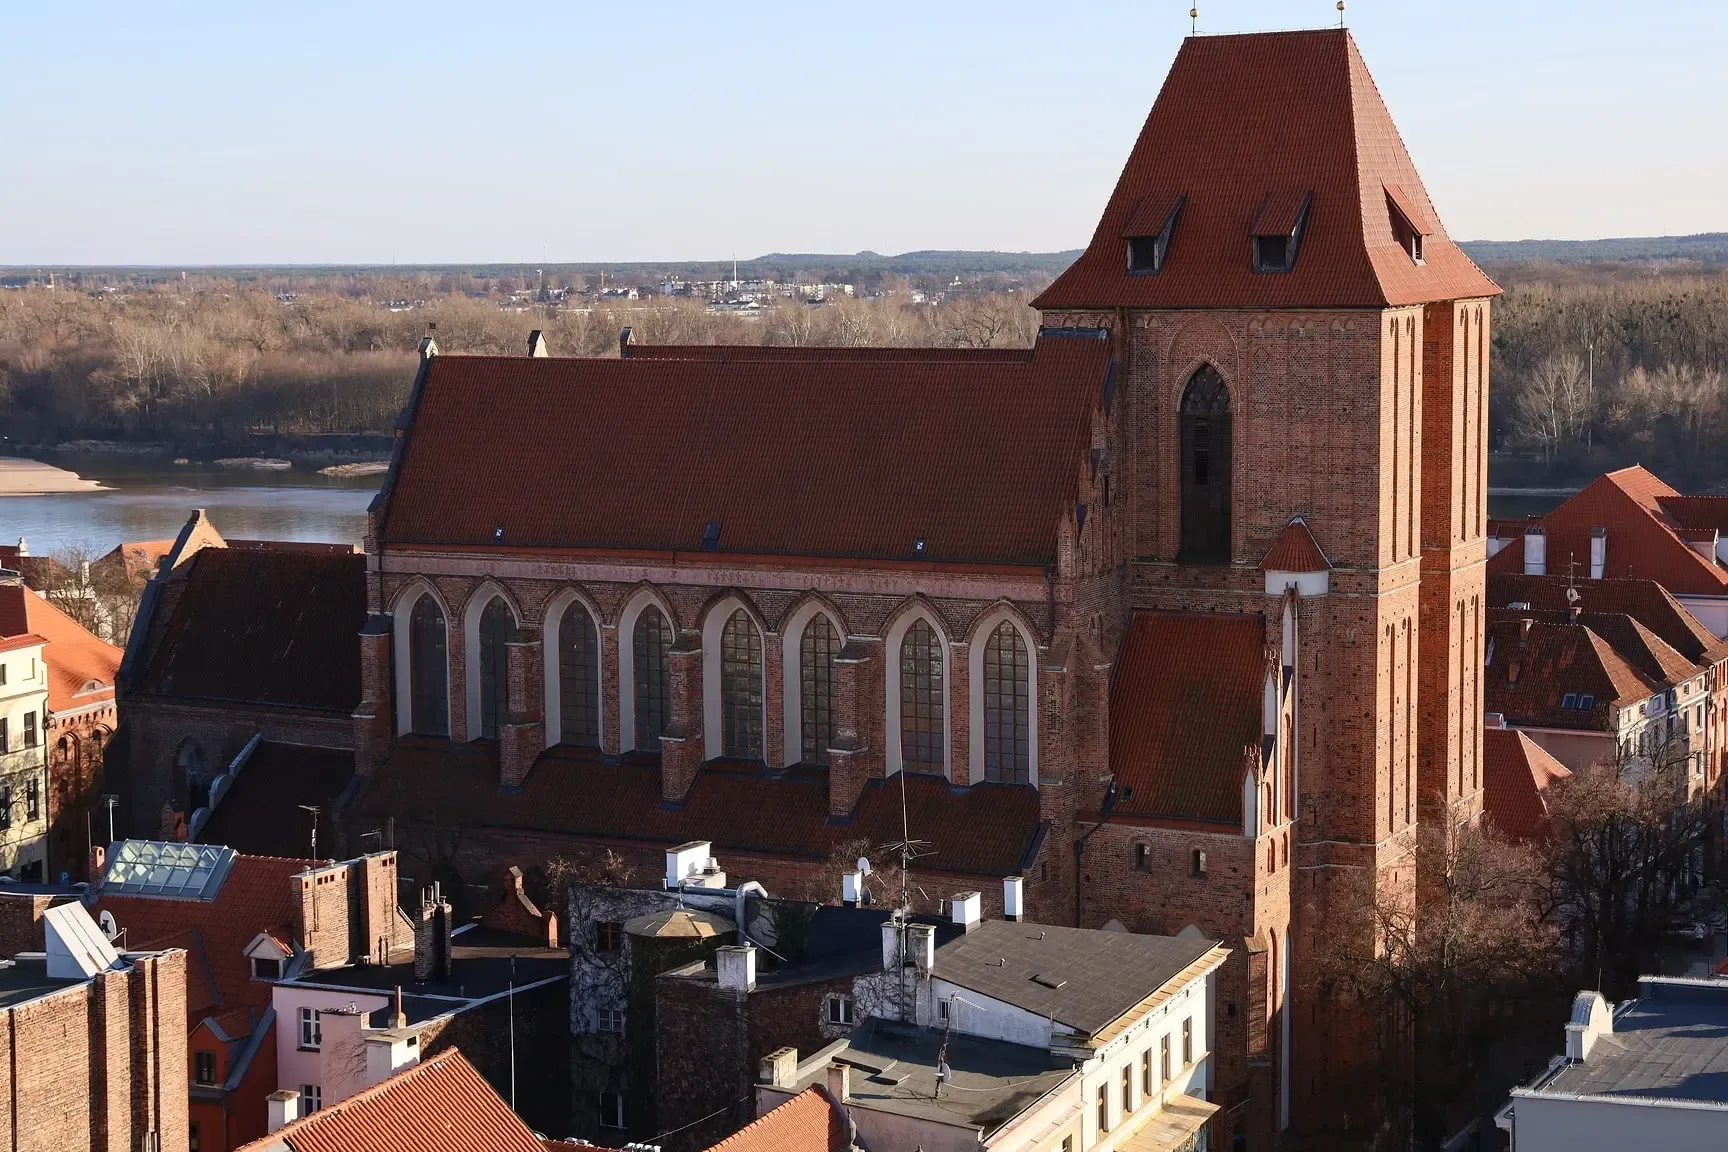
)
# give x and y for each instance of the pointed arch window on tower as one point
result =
(923, 727)
(578, 679)
(650, 641)
(1205, 461)
(428, 671)
(1007, 707)
(497, 629)
(816, 651)
(741, 687)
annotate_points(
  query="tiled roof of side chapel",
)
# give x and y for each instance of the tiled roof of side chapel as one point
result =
(1250, 127)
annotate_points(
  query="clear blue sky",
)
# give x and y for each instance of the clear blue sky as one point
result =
(241, 132)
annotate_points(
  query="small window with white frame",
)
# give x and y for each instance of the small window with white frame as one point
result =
(311, 1098)
(311, 1029)
(838, 1010)
(611, 1109)
(612, 1020)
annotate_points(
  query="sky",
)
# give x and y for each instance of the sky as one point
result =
(591, 130)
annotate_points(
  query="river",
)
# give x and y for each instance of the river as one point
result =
(150, 498)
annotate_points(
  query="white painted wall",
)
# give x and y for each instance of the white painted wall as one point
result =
(1712, 612)
(294, 1065)
(1557, 1123)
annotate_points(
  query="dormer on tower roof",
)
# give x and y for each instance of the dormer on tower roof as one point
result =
(1295, 191)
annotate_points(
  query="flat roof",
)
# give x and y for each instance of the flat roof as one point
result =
(894, 1070)
(26, 979)
(1671, 1043)
(474, 974)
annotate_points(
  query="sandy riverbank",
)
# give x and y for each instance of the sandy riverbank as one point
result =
(19, 477)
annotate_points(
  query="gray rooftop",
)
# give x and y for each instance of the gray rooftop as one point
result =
(1079, 977)
(894, 1070)
(1671, 1043)
(26, 978)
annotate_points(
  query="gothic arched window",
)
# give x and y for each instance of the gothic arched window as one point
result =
(1205, 463)
(428, 670)
(741, 687)
(650, 641)
(1007, 707)
(578, 679)
(193, 774)
(816, 651)
(497, 628)
(922, 724)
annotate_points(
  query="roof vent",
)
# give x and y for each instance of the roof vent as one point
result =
(711, 536)
(1049, 981)
(918, 548)
(498, 534)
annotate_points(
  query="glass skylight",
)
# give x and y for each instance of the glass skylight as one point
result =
(159, 868)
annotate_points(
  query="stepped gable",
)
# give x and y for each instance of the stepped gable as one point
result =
(1185, 714)
(856, 456)
(1517, 773)
(984, 829)
(263, 626)
(1245, 130)
(1643, 540)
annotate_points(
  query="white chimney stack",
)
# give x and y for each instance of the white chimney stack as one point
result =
(1013, 906)
(967, 908)
(852, 888)
(284, 1108)
(735, 965)
(839, 1082)
(1535, 551)
(685, 861)
(921, 945)
(1598, 552)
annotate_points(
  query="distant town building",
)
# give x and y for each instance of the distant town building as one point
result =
(1648, 1073)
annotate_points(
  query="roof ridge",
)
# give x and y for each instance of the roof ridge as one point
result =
(389, 1083)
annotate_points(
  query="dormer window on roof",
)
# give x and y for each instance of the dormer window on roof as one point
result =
(1148, 232)
(1278, 228)
(1409, 223)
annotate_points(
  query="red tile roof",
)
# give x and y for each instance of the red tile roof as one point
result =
(256, 896)
(261, 814)
(263, 627)
(987, 829)
(441, 1104)
(1246, 124)
(1295, 551)
(1644, 600)
(850, 457)
(81, 667)
(1697, 513)
(1516, 775)
(808, 1122)
(1185, 714)
(1531, 669)
(810, 352)
(1643, 540)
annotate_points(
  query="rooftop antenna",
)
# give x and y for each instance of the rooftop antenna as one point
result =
(314, 809)
(1340, 13)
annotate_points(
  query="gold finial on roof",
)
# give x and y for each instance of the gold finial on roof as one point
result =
(1194, 20)
(1340, 13)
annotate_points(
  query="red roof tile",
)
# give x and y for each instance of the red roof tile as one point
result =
(1241, 119)
(1409, 209)
(1697, 513)
(855, 457)
(441, 1104)
(1185, 714)
(1644, 600)
(263, 627)
(808, 1122)
(1516, 775)
(1532, 666)
(1642, 540)
(81, 667)
(1295, 551)
(256, 896)
(986, 829)
(810, 352)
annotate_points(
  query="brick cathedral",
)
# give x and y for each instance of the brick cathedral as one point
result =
(1177, 614)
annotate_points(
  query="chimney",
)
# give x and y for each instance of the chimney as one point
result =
(537, 345)
(921, 945)
(779, 1069)
(890, 945)
(966, 909)
(735, 965)
(284, 1108)
(839, 1082)
(687, 861)
(852, 888)
(432, 931)
(1598, 553)
(1535, 551)
(1013, 898)
(399, 1019)
(1493, 720)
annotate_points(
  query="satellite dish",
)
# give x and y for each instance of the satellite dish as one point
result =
(1571, 595)
(864, 865)
(109, 928)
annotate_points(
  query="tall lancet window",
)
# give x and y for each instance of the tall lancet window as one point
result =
(497, 629)
(816, 651)
(741, 687)
(578, 679)
(650, 642)
(923, 727)
(1205, 463)
(428, 671)
(1007, 707)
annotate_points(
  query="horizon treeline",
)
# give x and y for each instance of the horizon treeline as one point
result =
(1589, 373)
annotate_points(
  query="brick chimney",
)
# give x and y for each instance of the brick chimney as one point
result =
(839, 1081)
(517, 914)
(432, 930)
(522, 735)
